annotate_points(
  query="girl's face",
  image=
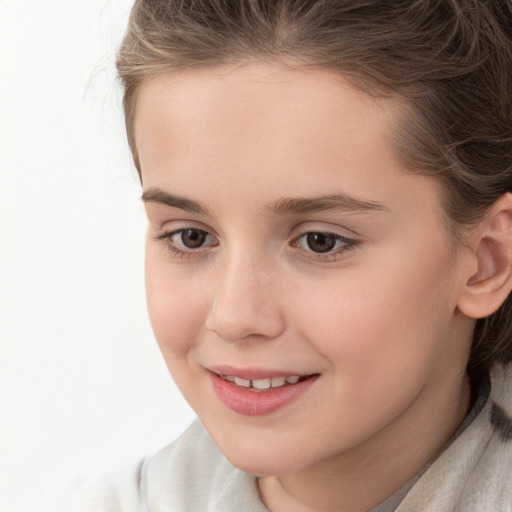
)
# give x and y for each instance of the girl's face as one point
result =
(287, 247)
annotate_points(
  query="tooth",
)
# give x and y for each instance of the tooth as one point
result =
(261, 383)
(245, 383)
(229, 378)
(277, 382)
(293, 379)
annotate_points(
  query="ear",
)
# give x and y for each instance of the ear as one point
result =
(491, 248)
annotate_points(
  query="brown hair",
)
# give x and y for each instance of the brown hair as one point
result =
(451, 61)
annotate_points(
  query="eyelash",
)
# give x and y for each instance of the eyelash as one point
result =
(167, 239)
(347, 245)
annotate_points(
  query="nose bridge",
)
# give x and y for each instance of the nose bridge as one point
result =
(247, 272)
(246, 303)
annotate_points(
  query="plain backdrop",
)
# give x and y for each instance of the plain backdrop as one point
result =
(82, 383)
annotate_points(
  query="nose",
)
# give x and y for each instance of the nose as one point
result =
(245, 305)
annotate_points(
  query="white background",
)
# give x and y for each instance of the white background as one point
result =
(82, 384)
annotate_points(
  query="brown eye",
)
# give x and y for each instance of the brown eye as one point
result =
(321, 242)
(193, 238)
(188, 242)
(324, 246)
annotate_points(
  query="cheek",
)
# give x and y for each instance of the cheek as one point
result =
(176, 306)
(377, 320)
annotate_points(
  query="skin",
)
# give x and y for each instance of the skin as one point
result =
(377, 318)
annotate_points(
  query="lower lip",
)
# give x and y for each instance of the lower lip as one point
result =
(257, 403)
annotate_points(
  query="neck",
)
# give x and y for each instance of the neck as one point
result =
(366, 475)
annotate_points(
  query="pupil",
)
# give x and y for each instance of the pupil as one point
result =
(321, 242)
(193, 238)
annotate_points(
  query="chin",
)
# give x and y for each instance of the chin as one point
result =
(260, 457)
(262, 467)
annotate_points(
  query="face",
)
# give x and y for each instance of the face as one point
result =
(300, 283)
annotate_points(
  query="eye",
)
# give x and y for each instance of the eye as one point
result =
(324, 244)
(320, 242)
(192, 238)
(187, 242)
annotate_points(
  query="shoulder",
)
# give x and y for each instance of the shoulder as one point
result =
(115, 490)
(489, 486)
(189, 474)
(474, 473)
(124, 488)
(192, 474)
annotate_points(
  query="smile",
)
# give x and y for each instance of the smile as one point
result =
(263, 384)
(259, 395)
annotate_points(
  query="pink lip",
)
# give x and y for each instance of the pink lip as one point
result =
(256, 403)
(250, 373)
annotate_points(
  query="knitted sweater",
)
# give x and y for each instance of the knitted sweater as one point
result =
(472, 474)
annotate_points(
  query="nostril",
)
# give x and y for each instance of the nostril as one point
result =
(244, 309)
(245, 325)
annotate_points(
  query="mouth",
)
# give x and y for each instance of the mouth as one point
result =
(258, 392)
(264, 384)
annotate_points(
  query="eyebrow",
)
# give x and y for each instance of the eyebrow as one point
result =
(157, 195)
(341, 202)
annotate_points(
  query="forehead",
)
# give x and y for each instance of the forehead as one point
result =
(292, 132)
(257, 92)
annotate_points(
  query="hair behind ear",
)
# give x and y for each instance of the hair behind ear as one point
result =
(492, 340)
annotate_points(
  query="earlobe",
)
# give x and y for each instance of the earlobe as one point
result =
(488, 287)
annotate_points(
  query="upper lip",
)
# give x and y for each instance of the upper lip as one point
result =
(253, 373)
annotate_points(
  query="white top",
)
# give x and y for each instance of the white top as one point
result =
(473, 474)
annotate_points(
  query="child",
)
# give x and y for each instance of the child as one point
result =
(329, 252)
